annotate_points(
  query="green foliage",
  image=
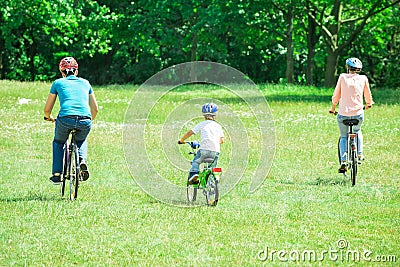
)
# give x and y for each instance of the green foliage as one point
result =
(38, 33)
(129, 41)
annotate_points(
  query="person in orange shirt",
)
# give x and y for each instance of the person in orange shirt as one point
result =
(349, 92)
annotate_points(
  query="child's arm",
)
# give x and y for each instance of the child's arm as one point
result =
(186, 136)
(221, 140)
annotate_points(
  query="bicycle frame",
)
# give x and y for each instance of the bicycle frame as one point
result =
(205, 172)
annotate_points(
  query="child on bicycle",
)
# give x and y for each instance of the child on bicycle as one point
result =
(211, 136)
(348, 93)
(78, 107)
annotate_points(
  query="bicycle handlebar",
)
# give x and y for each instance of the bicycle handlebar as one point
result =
(194, 144)
(335, 113)
(49, 119)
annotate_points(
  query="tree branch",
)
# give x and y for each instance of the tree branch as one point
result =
(372, 14)
(360, 27)
(325, 30)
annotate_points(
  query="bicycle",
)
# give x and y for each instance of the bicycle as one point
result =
(71, 169)
(208, 180)
(351, 153)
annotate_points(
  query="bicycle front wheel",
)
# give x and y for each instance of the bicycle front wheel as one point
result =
(211, 190)
(191, 192)
(74, 174)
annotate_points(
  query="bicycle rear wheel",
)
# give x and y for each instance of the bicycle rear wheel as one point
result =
(353, 170)
(338, 151)
(211, 190)
(65, 170)
(191, 191)
(74, 174)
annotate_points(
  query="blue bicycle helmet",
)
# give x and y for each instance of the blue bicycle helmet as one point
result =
(209, 109)
(354, 63)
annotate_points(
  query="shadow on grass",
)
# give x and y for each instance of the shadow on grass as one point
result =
(31, 196)
(330, 181)
(342, 181)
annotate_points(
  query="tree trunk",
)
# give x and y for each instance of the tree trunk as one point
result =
(193, 56)
(289, 46)
(31, 54)
(312, 40)
(1, 59)
(331, 66)
(333, 47)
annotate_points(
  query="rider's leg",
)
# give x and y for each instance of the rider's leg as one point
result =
(61, 132)
(343, 137)
(357, 130)
(83, 126)
(194, 170)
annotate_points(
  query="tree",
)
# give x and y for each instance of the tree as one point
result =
(35, 33)
(288, 14)
(331, 30)
(312, 40)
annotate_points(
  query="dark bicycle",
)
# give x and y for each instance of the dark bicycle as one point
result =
(71, 169)
(351, 154)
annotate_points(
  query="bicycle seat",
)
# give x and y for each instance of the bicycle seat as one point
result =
(350, 122)
(208, 160)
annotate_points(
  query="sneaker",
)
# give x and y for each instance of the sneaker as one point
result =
(55, 179)
(194, 179)
(84, 171)
(360, 158)
(342, 168)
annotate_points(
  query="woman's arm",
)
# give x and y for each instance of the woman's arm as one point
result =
(336, 95)
(94, 108)
(368, 96)
(48, 107)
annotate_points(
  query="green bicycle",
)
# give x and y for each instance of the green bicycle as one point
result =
(209, 177)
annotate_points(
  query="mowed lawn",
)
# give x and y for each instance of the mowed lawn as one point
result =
(304, 212)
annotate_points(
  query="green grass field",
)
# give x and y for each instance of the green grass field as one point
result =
(304, 212)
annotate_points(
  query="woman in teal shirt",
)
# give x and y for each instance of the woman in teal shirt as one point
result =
(78, 107)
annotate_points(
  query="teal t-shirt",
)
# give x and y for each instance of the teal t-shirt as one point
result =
(73, 93)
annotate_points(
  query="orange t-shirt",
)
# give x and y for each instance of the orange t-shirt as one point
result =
(349, 92)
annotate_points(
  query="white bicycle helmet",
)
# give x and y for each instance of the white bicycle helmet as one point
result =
(354, 63)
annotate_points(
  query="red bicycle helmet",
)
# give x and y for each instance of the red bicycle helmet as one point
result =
(68, 64)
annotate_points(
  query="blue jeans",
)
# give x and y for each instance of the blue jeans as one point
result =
(343, 134)
(64, 125)
(199, 158)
